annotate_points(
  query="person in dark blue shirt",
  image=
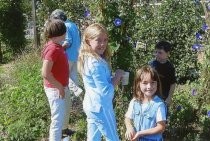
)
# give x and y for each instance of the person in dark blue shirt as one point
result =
(165, 69)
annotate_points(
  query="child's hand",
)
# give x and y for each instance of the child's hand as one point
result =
(168, 101)
(65, 45)
(130, 133)
(119, 73)
(136, 136)
(61, 92)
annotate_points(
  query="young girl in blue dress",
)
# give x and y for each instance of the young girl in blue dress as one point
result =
(99, 85)
(146, 115)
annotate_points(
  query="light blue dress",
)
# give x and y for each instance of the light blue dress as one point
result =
(97, 104)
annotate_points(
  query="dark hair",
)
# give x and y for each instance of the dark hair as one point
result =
(54, 28)
(166, 46)
(137, 93)
(58, 14)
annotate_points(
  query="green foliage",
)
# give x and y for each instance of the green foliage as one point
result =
(120, 106)
(175, 21)
(23, 111)
(204, 90)
(81, 129)
(181, 33)
(146, 24)
(184, 104)
(193, 119)
(12, 25)
(77, 119)
(73, 8)
(188, 113)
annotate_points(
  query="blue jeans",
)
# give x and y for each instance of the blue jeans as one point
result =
(60, 112)
(102, 123)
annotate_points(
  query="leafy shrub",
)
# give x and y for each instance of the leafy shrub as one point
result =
(13, 19)
(180, 123)
(24, 114)
(175, 21)
(81, 129)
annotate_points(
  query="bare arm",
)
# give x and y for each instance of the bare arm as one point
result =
(171, 92)
(46, 74)
(118, 75)
(130, 131)
(155, 130)
(65, 45)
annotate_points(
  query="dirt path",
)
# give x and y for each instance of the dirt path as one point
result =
(5, 70)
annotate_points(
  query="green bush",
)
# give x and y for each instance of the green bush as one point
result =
(175, 21)
(24, 105)
(12, 17)
(184, 104)
(24, 114)
(188, 118)
(24, 110)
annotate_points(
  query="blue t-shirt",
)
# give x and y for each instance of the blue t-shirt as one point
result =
(73, 39)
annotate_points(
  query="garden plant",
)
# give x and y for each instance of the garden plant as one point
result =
(134, 28)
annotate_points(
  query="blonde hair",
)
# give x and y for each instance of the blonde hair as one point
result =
(91, 32)
(140, 74)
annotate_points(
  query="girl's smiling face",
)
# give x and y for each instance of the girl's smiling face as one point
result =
(148, 86)
(99, 43)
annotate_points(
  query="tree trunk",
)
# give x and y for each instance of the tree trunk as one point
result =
(1, 54)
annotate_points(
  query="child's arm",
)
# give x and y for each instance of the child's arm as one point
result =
(172, 86)
(46, 73)
(171, 91)
(118, 75)
(65, 45)
(130, 132)
(68, 39)
(157, 129)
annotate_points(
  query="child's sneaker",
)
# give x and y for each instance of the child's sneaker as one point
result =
(67, 132)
